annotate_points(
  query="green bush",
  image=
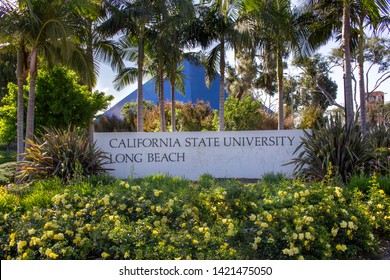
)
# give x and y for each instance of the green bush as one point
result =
(66, 154)
(362, 183)
(333, 145)
(379, 137)
(194, 117)
(242, 114)
(7, 172)
(170, 218)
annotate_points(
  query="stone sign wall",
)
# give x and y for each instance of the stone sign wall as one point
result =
(233, 154)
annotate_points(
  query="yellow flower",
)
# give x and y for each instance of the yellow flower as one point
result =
(195, 242)
(53, 256)
(351, 225)
(77, 240)
(12, 239)
(294, 236)
(269, 218)
(154, 232)
(106, 200)
(308, 235)
(334, 231)
(343, 224)
(35, 241)
(257, 240)
(31, 231)
(47, 234)
(105, 255)
(49, 253)
(126, 255)
(340, 247)
(224, 246)
(264, 225)
(158, 208)
(21, 244)
(59, 236)
(251, 217)
(296, 195)
(157, 192)
(122, 206)
(69, 232)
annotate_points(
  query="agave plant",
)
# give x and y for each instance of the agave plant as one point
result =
(333, 145)
(65, 154)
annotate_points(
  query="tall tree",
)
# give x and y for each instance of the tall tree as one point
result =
(92, 46)
(44, 28)
(370, 14)
(220, 22)
(11, 17)
(349, 16)
(131, 19)
(277, 29)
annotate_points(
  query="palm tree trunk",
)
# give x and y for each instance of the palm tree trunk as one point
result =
(140, 97)
(363, 114)
(20, 110)
(91, 124)
(280, 89)
(222, 87)
(161, 99)
(346, 36)
(31, 97)
(173, 106)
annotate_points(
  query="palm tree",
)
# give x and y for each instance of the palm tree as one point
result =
(13, 17)
(220, 22)
(279, 30)
(91, 46)
(131, 18)
(348, 16)
(168, 43)
(370, 13)
(44, 27)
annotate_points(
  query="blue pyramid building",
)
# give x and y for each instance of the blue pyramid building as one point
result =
(195, 89)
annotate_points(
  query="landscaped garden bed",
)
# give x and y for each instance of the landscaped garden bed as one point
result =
(170, 218)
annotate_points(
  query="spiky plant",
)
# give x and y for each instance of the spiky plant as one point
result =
(333, 144)
(65, 154)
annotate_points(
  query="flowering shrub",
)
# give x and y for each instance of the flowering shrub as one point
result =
(170, 218)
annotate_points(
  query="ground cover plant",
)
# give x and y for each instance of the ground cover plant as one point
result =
(170, 218)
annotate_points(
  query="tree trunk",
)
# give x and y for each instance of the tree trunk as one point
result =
(173, 106)
(346, 36)
(161, 99)
(31, 97)
(91, 125)
(280, 89)
(21, 77)
(140, 96)
(363, 114)
(222, 87)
